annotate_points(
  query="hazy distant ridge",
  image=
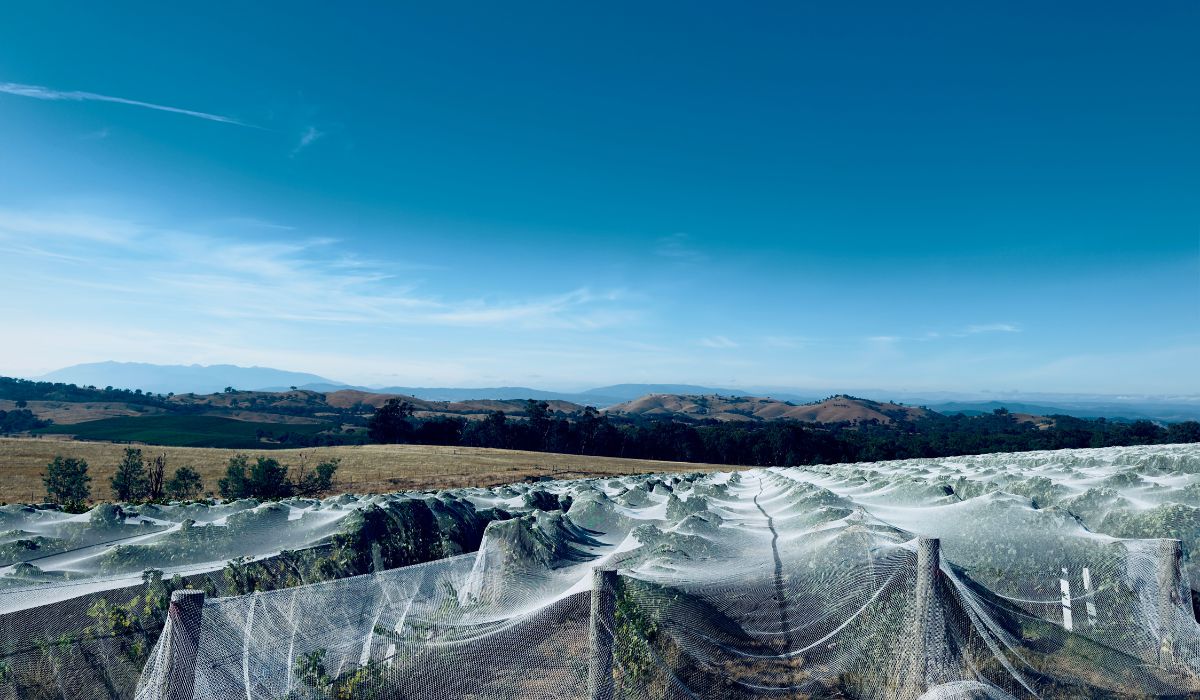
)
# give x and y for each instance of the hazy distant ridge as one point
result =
(201, 379)
(178, 379)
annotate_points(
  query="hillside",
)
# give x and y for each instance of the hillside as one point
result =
(233, 418)
(70, 412)
(703, 428)
(836, 409)
(200, 379)
(119, 414)
(351, 398)
(363, 469)
(712, 429)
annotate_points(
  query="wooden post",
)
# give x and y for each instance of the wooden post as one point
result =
(184, 616)
(929, 555)
(926, 627)
(1169, 574)
(930, 618)
(601, 628)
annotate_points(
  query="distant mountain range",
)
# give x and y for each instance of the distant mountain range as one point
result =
(202, 379)
(208, 379)
(178, 379)
(599, 397)
(835, 409)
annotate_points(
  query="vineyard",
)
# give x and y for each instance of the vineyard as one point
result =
(1058, 574)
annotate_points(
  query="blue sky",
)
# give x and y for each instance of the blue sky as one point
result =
(941, 196)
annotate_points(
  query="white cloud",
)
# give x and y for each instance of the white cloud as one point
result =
(273, 278)
(992, 328)
(946, 335)
(310, 135)
(574, 309)
(676, 247)
(44, 93)
(252, 222)
(718, 341)
(21, 225)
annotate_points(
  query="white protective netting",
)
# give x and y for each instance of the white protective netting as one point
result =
(83, 598)
(1055, 574)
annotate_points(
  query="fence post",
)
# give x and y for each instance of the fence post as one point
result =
(927, 628)
(185, 615)
(1169, 575)
(929, 555)
(601, 628)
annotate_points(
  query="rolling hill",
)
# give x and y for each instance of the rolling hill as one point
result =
(179, 379)
(836, 409)
(349, 398)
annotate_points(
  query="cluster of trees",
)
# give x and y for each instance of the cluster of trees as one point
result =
(137, 480)
(780, 443)
(266, 478)
(28, 390)
(69, 484)
(20, 420)
(298, 404)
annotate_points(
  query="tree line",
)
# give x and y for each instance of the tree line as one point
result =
(777, 443)
(138, 480)
(69, 484)
(20, 420)
(16, 389)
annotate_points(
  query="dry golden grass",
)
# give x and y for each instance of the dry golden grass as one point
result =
(364, 468)
(68, 412)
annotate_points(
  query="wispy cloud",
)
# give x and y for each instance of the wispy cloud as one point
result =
(252, 222)
(272, 278)
(718, 341)
(784, 342)
(21, 225)
(39, 92)
(678, 247)
(574, 309)
(963, 332)
(992, 328)
(310, 135)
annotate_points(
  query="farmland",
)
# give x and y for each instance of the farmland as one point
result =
(184, 431)
(1054, 574)
(363, 469)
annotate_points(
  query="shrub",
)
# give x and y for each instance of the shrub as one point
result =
(67, 482)
(233, 484)
(130, 483)
(185, 484)
(318, 481)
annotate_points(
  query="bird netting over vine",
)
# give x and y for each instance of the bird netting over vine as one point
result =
(1049, 574)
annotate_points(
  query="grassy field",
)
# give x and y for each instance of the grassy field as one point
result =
(364, 468)
(182, 431)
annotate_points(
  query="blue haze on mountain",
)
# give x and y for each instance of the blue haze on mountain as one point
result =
(201, 379)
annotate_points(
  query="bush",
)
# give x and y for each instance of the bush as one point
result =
(185, 484)
(130, 482)
(266, 478)
(67, 482)
(233, 485)
(269, 479)
(318, 481)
